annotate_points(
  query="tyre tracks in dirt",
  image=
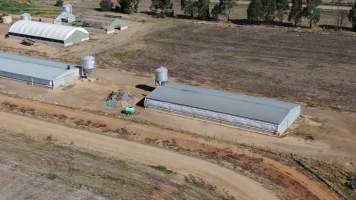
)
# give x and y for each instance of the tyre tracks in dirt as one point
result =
(291, 179)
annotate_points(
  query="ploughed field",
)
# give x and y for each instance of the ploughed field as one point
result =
(317, 68)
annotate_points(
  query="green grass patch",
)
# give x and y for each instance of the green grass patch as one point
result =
(124, 53)
(37, 145)
(199, 183)
(162, 168)
(121, 164)
(87, 154)
(15, 6)
(21, 6)
(51, 176)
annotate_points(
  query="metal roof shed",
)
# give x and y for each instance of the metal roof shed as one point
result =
(265, 114)
(117, 23)
(37, 71)
(66, 35)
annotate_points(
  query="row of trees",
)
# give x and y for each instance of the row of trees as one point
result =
(272, 10)
(124, 6)
(199, 9)
(258, 11)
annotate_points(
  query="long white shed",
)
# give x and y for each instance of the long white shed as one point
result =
(37, 71)
(264, 114)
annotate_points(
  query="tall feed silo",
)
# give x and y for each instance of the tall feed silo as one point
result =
(161, 75)
(88, 64)
(68, 8)
(25, 16)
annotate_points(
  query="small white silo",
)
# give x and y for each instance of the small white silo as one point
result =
(161, 75)
(68, 8)
(88, 64)
(25, 16)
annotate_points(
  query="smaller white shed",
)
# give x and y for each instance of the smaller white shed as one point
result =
(36, 71)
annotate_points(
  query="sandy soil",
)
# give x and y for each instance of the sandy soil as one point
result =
(41, 169)
(304, 66)
(237, 185)
(145, 133)
(311, 67)
(331, 130)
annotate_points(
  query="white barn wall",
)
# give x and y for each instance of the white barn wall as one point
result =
(67, 78)
(291, 117)
(24, 78)
(215, 116)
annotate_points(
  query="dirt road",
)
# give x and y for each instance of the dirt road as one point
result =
(288, 144)
(239, 186)
(294, 181)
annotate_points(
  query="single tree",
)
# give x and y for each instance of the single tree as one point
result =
(296, 12)
(128, 6)
(311, 12)
(59, 3)
(164, 7)
(182, 4)
(282, 9)
(223, 8)
(216, 11)
(190, 8)
(269, 10)
(203, 9)
(106, 5)
(352, 16)
(340, 18)
(255, 11)
(197, 8)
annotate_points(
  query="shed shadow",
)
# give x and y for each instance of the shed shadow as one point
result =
(145, 87)
(334, 27)
(141, 103)
(252, 22)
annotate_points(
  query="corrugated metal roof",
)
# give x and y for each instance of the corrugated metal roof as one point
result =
(44, 30)
(33, 67)
(237, 104)
(120, 22)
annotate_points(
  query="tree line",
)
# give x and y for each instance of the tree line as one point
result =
(259, 11)
(272, 10)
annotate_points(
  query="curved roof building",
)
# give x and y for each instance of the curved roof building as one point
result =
(66, 35)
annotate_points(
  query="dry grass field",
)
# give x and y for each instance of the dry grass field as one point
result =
(311, 67)
(62, 127)
(33, 169)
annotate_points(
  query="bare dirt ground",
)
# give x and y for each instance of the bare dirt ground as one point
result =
(311, 67)
(237, 185)
(269, 171)
(314, 68)
(41, 169)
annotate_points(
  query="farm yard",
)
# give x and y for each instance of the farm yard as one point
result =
(90, 150)
(314, 68)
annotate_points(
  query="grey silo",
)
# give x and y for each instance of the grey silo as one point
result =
(88, 64)
(25, 16)
(68, 8)
(161, 75)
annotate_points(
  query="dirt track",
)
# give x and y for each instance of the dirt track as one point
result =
(289, 180)
(239, 186)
